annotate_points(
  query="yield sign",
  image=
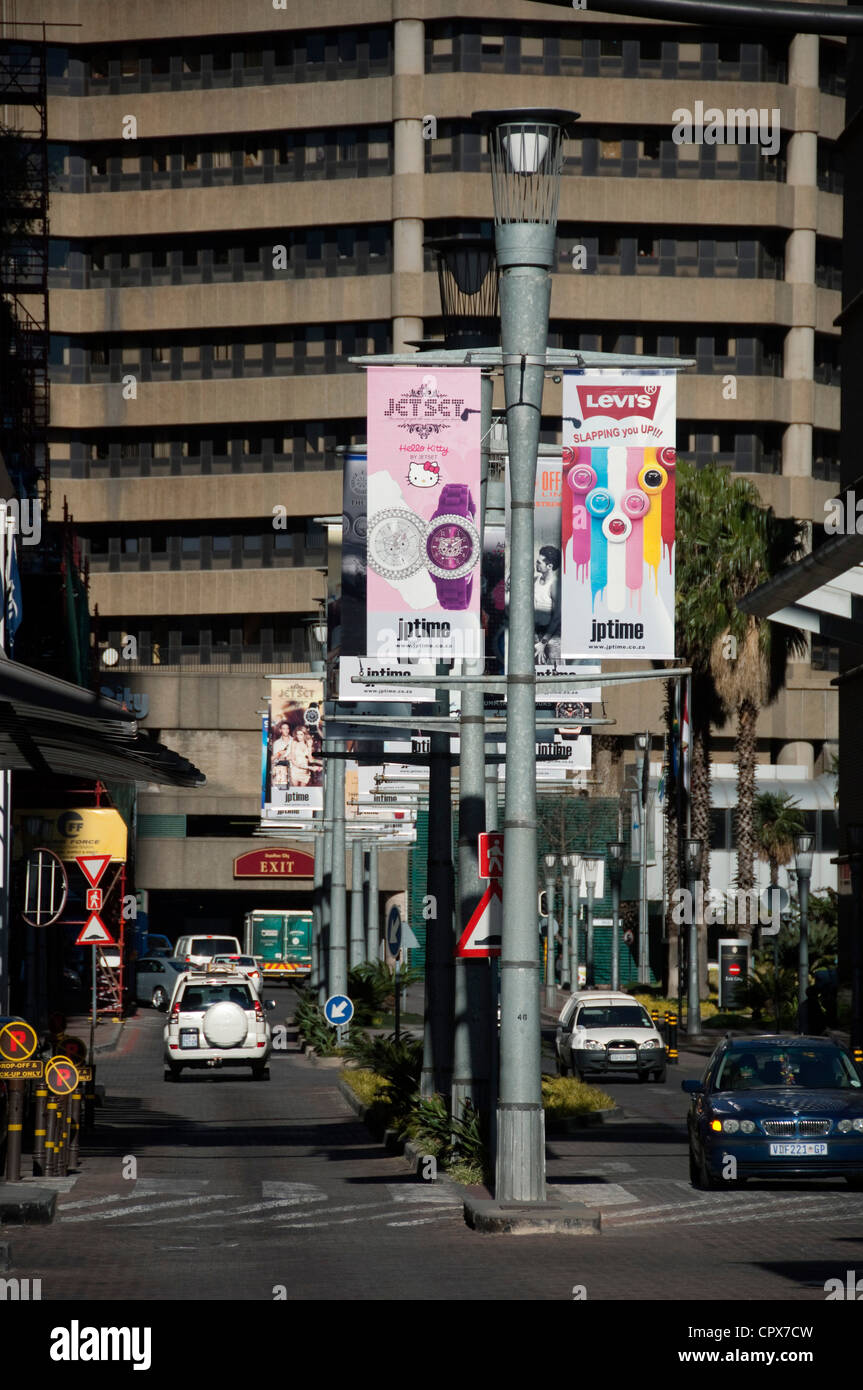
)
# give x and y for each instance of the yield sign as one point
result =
(95, 933)
(92, 866)
(483, 934)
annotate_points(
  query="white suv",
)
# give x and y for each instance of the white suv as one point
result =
(216, 1019)
(601, 1031)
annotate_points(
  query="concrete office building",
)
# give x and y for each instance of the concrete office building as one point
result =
(241, 195)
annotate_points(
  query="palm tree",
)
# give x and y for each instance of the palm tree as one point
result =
(727, 544)
(777, 821)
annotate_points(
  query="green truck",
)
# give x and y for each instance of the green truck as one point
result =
(281, 942)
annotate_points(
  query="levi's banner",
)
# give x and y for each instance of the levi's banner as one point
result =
(293, 781)
(618, 513)
(423, 546)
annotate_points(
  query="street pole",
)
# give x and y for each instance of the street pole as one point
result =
(693, 852)
(337, 982)
(526, 152)
(643, 918)
(575, 866)
(550, 992)
(317, 893)
(357, 939)
(324, 982)
(565, 979)
(804, 845)
(373, 934)
(591, 974)
(436, 1077)
(473, 997)
(855, 856)
(616, 851)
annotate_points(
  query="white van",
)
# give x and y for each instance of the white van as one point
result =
(200, 949)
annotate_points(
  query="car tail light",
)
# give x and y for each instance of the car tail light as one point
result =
(259, 1013)
(175, 1015)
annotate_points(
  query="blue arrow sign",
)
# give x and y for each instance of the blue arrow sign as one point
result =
(338, 1009)
(394, 931)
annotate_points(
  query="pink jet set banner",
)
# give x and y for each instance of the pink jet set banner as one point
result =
(618, 514)
(423, 546)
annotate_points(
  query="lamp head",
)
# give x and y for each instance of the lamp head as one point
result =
(804, 848)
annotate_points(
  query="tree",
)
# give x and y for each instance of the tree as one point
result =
(777, 821)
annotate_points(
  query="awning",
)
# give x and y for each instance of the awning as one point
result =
(822, 593)
(52, 727)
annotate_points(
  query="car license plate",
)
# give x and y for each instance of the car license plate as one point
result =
(188, 1037)
(797, 1150)
(622, 1056)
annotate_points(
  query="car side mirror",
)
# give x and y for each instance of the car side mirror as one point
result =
(270, 1004)
(693, 1088)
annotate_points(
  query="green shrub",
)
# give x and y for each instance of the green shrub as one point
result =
(398, 1062)
(564, 1095)
(371, 988)
(317, 1032)
(458, 1143)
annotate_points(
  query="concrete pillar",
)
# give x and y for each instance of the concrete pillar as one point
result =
(798, 753)
(799, 347)
(407, 184)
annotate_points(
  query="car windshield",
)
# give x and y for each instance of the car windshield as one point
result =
(766, 1069)
(202, 996)
(233, 960)
(210, 948)
(613, 1016)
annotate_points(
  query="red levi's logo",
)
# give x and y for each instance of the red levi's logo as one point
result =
(618, 402)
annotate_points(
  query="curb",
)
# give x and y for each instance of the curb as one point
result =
(35, 1206)
(570, 1124)
(530, 1219)
(393, 1142)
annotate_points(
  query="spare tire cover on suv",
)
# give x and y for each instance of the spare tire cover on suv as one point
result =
(224, 1024)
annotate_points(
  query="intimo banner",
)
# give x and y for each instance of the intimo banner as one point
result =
(618, 513)
(293, 780)
(423, 547)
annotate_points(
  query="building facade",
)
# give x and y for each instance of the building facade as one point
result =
(240, 198)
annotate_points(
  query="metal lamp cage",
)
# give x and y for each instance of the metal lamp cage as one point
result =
(467, 277)
(525, 150)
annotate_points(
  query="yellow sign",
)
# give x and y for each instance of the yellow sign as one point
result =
(73, 831)
(30, 1070)
(61, 1076)
(17, 1041)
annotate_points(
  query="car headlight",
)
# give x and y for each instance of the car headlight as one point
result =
(747, 1127)
(651, 1042)
(730, 1126)
(844, 1126)
(593, 1046)
(858, 1125)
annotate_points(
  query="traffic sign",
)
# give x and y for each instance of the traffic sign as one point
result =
(483, 935)
(394, 930)
(18, 1041)
(93, 900)
(92, 866)
(491, 854)
(338, 1009)
(774, 899)
(31, 1070)
(94, 933)
(61, 1076)
(46, 887)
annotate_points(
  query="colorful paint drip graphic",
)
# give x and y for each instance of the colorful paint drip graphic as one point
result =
(621, 521)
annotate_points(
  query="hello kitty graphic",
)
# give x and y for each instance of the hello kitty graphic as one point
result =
(423, 473)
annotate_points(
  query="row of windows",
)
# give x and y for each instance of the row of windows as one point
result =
(821, 824)
(220, 161)
(714, 350)
(618, 51)
(205, 639)
(306, 446)
(226, 547)
(608, 149)
(299, 351)
(230, 61)
(308, 253)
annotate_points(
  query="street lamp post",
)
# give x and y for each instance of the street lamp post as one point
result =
(357, 942)
(590, 864)
(575, 870)
(855, 855)
(804, 846)
(616, 850)
(564, 929)
(643, 744)
(372, 919)
(550, 996)
(693, 851)
(526, 154)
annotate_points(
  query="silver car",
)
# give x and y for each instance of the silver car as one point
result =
(155, 978)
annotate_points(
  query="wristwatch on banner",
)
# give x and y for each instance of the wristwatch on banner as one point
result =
(452, 546)
(400, 543)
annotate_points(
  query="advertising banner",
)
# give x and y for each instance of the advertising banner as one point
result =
(365, 799)
(293, 783)
(618, 513)
(423, 547)
(82, 830)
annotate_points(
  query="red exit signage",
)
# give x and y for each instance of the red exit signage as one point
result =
(274, 863)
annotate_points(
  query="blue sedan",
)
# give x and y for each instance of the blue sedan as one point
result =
(776, 1107)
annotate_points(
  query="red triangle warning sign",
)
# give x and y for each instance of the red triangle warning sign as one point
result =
(95, 933)
(483, 934)
(92, 866)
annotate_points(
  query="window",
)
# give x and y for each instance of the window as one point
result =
(253, 58)
(346, 241)
(532, 48)
(130, 164)
(221, 159)
(492, 45)
(646, 246)
(316, 151)
(377, 242)
(159, 162)
(129, 65)
(316, 51)
(610, 48)
(221, 352)
(649, 148)
(191, 158)
(221, 545)
(191, 63)
(610, 149)
(379, 145)
(253, 156)
(192, 352)
(221, 255)
(442, 46)
(689, 52)
(571, 48)
(346, 147)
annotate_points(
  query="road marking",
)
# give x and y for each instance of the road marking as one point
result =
(269, 1207)
(347, 1221)
(97, 1201)
(731, 1215)
(160, 1206)
(169, 1187)
(423, 1221)
(594, 1194)
(413, 1192)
